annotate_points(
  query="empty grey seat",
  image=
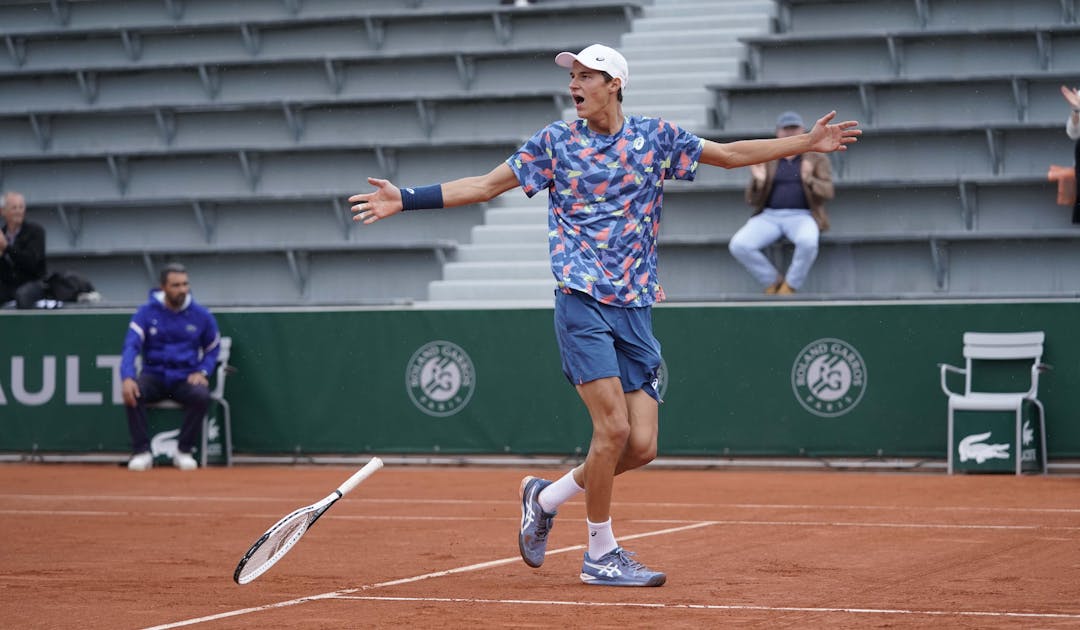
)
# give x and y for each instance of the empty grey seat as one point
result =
(912, 53)
(499, 120)
(937, 99)
(810, 16)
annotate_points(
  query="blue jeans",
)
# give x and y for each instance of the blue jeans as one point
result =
(195, 399)
(765, 229)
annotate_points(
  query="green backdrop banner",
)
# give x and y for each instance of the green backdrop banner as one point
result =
(832, 379)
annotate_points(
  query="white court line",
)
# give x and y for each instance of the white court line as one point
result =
(417, 578)
(656, 504)
(174, 498)
(888, 525)
(650, 521)
(347, 594)
(379, 517)
(272, 516)
(869, 611)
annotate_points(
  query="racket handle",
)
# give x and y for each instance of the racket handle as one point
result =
(360, 475)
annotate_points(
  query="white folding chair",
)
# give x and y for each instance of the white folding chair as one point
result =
(217, 395)
(992, 347)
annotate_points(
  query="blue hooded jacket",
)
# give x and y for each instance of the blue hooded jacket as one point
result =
(173, 344)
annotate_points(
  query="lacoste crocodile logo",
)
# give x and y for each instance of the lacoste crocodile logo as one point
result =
(165, 443)
(973, 447)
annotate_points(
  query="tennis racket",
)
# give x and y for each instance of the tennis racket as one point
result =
(279, 539)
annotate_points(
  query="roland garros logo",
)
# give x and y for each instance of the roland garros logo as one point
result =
(828, 377)
(440, 378)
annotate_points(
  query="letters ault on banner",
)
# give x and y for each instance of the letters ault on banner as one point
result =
(46, 390)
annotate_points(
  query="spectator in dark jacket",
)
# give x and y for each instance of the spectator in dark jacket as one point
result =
(178, 341)
(22, 255)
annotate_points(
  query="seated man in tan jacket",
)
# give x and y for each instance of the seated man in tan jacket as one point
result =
(788, 197)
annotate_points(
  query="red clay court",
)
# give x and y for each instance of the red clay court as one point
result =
(95, 546)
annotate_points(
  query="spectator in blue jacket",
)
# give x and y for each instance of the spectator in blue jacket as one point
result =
(178, 341)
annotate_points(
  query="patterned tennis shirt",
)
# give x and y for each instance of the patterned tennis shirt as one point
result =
(604, 199)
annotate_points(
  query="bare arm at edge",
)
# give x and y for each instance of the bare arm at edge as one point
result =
(823, 138)
(385, 200)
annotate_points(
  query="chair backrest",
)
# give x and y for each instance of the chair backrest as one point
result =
(225, 345)
(1005, 347)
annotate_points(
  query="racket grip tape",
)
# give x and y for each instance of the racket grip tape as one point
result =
(360, 475)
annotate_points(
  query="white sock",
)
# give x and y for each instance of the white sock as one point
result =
(601, 540)
(560, 491)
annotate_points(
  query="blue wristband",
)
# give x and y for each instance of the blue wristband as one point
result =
(421, 198)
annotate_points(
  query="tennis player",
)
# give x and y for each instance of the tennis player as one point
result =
(604, 176)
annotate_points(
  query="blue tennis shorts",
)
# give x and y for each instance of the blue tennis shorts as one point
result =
(598, 341)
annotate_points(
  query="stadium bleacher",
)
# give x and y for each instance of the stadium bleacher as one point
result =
(946, 193)
(229, 135)
(225, 132)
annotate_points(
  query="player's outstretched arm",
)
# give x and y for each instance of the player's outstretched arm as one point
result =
(386, 200)
(825, 137)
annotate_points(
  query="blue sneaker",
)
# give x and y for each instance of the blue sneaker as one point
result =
(535, 522)
(617, 568)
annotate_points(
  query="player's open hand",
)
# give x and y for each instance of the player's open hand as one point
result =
(826, 137)
(1072, 96)
(372, 206)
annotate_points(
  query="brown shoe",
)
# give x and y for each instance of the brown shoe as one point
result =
(773, 288)
(785, 289)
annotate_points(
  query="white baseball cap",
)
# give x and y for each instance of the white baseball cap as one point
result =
(598, 57)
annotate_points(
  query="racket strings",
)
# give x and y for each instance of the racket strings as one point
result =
(279, 539)
(276, 544)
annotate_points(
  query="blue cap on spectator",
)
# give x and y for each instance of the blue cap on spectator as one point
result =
(789, 119)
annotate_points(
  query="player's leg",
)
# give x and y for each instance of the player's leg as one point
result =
(638, 352)
(802, 230)
(747, 244)
(615, 425)
(611, 429)
(644, 425)
(633, 424)
(151, 389)
(624, 421)
(587, 352)
(195, 400)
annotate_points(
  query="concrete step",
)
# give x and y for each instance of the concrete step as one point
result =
(510, 234)
(516, 290)
(667, 6)
(652, 51)
(686, 22)
(504, 252)
(633, 40)
(677, 81)
(642, 100)
(653, 66)
(498, 270)
(704, 8)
